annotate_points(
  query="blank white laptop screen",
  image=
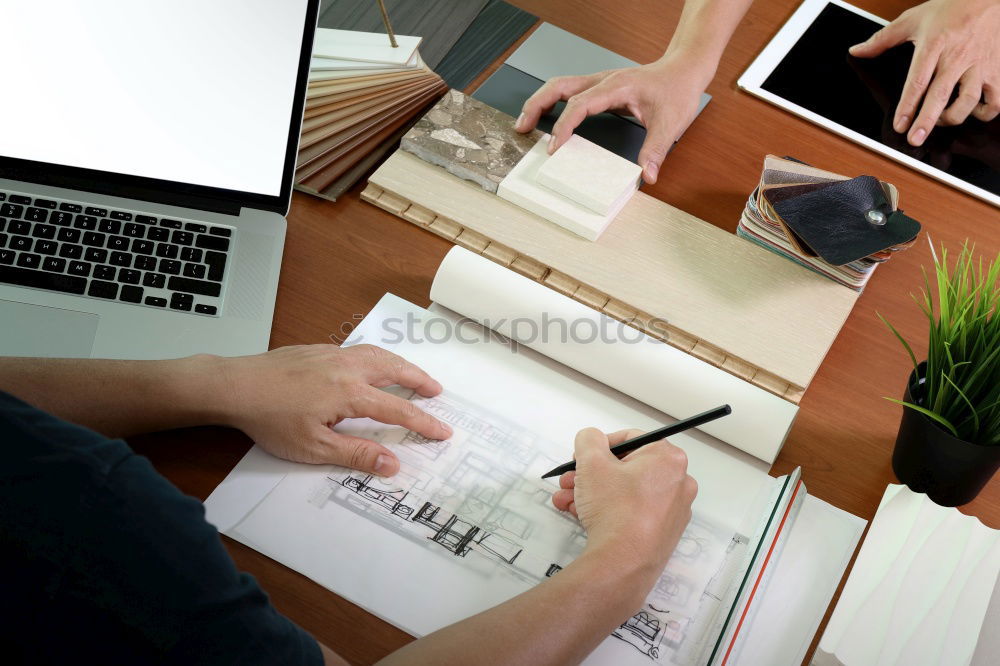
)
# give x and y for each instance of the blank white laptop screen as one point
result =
(190, 91)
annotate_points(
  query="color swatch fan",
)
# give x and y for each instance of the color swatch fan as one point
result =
(363, 94)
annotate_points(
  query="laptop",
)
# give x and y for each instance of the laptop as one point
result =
(146, 167)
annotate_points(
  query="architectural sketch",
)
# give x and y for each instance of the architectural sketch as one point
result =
(478, 501)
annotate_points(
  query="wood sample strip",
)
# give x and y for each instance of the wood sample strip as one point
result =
(350, 107)
(736, 300)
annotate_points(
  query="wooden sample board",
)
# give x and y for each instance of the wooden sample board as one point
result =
(678, 278)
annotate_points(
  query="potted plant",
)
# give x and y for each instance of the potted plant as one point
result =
(948, 444)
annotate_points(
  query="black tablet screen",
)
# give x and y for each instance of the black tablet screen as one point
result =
(861, 94)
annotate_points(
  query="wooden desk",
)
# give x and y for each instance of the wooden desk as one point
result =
(340, 258)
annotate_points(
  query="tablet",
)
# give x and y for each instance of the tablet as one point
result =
(806, 69)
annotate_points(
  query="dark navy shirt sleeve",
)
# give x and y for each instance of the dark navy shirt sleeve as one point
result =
(104, 561)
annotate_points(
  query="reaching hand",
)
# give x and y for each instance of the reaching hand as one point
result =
(638, 506)
(288, 399)
(956, 42)
(663, 96)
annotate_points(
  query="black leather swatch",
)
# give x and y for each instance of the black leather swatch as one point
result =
(833, 221)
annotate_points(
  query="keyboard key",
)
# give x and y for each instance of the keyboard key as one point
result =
(173, 224)
(85, 222)
(69, 235)
(129, 276)
(121, 259)
(221, 231)
(36, 214)
(181, 302)
(182, 237)
(45, 203)
(154, 280)
(158, 234)
(10, 210)
(131, 294)
(145, 219)
(118, 243)
(20, 199)
(144, 263)
(28, 260)
(62, 219)
(196, 271)
(46, 246)
(109, 226)
(3, 223)
(166, 251)
(170, 267)
(133, 230)
(121, 215)
(3, 240)
(7, 256)
(94, 239)
(216, 265)
(54, 264)
(190, 286)
(3, 197)
(44, 231)
(201, 308)
(70, 251)
(156, 302)
(19, 227)
(80, 268)
(104, 272)
(102, 289)
(96, 255)
(20, 243)
(195, 227)
(65, 283)
(191, 254)
(71, 207)
(142, 246)
(97, 212)
(212, 243)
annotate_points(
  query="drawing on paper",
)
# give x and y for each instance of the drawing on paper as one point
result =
(478, 500)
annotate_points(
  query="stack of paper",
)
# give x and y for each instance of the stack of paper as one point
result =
(363, 93)
(762, 225)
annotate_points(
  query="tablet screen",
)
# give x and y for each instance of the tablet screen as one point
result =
(819, 75)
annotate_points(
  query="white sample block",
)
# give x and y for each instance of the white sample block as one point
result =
(363, 46)
(521, 188)
(590, 175)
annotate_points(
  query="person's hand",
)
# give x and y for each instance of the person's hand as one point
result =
(637, 507)
(288, 399)
(663, 96)
(955, 42)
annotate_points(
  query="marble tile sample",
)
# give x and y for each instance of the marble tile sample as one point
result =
(469, 139)
(589, 175)
(521, 188)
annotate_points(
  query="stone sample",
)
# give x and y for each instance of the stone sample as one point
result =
(591, 176)
(469, 139)
(521, 188)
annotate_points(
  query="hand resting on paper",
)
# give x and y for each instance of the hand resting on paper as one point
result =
(287, 400)
(637, 506)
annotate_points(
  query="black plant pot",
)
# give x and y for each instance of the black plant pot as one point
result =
(929, 459)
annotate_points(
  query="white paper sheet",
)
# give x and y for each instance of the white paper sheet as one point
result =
(578, 336)
(310, 520)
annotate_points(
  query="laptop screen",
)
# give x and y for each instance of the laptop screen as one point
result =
(199, 92)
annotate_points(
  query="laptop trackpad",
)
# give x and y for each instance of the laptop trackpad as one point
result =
(35, 330)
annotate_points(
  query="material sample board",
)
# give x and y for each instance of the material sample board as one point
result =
(364, 46)
(439, 22)
(552, 51)
(590, 175)
(680, 279)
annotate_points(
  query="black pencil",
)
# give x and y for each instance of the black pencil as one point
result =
(650, 437)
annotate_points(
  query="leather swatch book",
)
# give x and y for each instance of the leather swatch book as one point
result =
(839, 227)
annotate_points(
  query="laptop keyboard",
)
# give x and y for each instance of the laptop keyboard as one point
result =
(111, 254)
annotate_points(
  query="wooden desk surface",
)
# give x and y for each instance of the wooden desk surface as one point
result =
(340, 258)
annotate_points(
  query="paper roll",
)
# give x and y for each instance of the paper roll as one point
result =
(614, 354)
